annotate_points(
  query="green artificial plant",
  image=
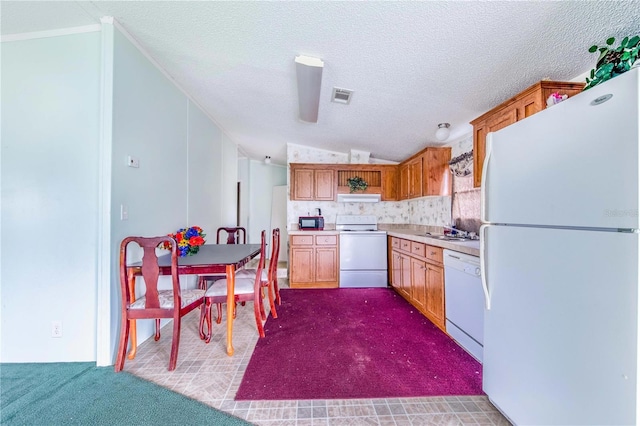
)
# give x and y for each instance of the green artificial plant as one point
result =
(613, 61)
(356, 183)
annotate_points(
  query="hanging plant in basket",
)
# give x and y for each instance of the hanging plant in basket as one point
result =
(614, 61)
(356, 183)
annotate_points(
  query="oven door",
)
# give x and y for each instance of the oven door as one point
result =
(363, 259)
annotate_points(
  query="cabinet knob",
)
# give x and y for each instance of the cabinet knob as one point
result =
(433, 253)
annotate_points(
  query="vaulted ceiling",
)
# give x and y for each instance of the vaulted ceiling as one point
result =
(411, 65)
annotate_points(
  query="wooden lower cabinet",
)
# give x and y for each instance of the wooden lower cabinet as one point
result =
(314, 261)
(417, 274)
(435, 294)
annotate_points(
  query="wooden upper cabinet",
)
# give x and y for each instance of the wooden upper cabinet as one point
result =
(403, 180)
(309, 184)
(302, 182)
(321, 182)
(415, 177)
(436, 175)
(525, 104)
(389, 186)
(325, 185)
(426, 173)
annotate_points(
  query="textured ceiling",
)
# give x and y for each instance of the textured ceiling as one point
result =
(411, 65)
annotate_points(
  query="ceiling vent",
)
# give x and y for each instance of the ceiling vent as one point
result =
(341, 96)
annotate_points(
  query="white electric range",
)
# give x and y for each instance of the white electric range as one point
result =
(363, 251)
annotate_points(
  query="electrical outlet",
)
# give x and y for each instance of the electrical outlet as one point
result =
(56, 328)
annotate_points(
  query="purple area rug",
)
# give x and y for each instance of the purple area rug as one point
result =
(355, 343)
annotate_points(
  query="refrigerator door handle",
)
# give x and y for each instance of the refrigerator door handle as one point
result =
(483, 266)
(484, 179)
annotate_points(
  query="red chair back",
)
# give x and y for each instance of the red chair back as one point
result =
(233, 235)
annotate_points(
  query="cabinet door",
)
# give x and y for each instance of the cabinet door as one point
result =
(415, 178)
(326, 264)
(528, 106)
(404, 181)
(303, 185)
(479, 147)
(302, 265)
(503, 119)
(396, 269)
(436, 177)
(325, 185)
(389, 185)
(419, 284)
(480, 130)
(405, 281)
(435, 294)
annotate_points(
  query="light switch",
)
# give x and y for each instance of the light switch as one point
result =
(133, 162)
(124, 212)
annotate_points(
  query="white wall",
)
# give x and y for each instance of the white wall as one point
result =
(229, 191)
(205, 173)
(50, 133)
(183, 178)
(51, 160)
(243, 178)
(149, 123)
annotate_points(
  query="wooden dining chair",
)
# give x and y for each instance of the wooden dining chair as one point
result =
(247, 289)
(154, 304)
(269, 277)
(233, 234)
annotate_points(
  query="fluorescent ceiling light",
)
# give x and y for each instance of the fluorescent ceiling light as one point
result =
(309, 74)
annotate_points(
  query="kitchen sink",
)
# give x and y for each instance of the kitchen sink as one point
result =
(451, 238)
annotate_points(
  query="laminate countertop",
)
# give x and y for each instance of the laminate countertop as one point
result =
(325, 232)
(468, 247)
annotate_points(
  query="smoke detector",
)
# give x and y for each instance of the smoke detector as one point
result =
(341, 96)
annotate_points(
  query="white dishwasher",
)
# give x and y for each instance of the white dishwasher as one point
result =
(464, 301)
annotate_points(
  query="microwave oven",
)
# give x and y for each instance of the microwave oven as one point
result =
(311, 223)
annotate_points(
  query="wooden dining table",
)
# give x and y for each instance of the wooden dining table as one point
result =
(211, 259)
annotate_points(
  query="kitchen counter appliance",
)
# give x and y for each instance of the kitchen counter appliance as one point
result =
(363, 251)
(311, 223)
(464, 301)
(560, 260)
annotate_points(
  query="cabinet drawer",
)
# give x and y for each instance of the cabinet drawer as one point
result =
(405, 245)
(433, 253)
(302, 240)
(395, 243)
(326, 240)
(417, 249)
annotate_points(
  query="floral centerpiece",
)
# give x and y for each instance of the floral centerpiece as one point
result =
(189, 240)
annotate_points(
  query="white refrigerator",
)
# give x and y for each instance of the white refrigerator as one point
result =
(559, 261)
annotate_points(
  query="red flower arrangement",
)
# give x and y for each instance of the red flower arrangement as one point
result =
(189, 240)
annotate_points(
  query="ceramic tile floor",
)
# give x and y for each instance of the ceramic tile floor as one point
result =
(204, 372)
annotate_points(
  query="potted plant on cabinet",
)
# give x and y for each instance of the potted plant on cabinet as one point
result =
(614, 61)
(356, 183)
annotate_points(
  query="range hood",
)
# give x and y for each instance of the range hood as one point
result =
(358, 198)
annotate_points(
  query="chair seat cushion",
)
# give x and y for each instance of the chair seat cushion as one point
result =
(166, 299)
(251, 273)
(219, 288)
